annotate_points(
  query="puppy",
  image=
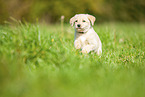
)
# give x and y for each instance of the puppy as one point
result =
(86, 38)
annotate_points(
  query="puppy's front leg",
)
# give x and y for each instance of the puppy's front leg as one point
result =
(77, 44)
(88, 48)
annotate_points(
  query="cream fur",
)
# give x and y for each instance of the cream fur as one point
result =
(86, 38)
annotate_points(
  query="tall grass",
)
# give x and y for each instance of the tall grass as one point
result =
(41, 61)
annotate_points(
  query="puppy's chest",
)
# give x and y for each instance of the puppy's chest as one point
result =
(84, 40)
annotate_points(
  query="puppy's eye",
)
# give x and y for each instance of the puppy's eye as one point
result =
(84, 21)
(76, 21)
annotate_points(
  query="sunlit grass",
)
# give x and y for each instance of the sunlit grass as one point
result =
(41, 61)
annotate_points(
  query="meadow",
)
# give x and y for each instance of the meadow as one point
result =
(39, 60)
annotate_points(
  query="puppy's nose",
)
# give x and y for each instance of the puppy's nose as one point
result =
(79, 25)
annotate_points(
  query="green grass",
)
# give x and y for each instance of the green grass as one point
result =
(41, 61)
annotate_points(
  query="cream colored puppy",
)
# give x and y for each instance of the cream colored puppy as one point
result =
(86, 38)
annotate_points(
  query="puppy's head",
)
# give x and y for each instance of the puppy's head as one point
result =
(82, 22)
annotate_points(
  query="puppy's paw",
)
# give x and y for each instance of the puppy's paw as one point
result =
(99, 52)
(77, 45)
(86, 50)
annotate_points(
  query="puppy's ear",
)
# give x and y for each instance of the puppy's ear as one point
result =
(72, 20)
(92, 19)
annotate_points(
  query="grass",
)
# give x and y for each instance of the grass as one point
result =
(41, 61)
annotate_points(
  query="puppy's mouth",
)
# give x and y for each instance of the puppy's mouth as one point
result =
(79, 29)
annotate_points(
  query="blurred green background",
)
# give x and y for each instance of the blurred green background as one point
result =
(39, 60)
(50, 11)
